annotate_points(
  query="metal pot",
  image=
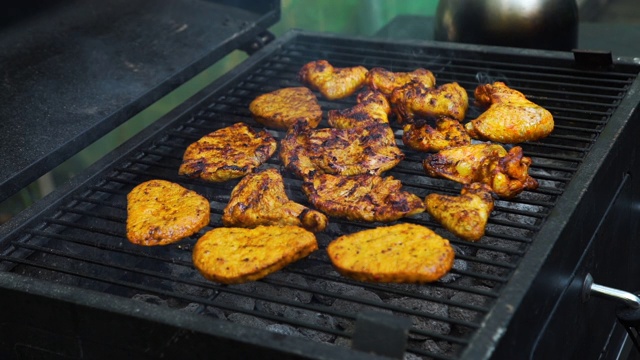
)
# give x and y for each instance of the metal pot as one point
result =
(541, 24)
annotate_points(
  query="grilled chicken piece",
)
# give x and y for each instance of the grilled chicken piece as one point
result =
(333, 83)
(372, 108)
(417, 100)
(403, 253)
(448, 133)
(507, 173)
(386, 81)
(510, 118)
(361, 197)
(260, 199)
(228, 153)
(466, 215)
(281, 108)
(367, 150)
(160, 212)
(238, 255)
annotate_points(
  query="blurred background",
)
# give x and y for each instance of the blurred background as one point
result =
(351, 17)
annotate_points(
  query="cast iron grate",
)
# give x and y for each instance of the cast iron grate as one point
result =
(83, 243)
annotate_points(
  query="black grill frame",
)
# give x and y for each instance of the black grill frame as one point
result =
(559, 194)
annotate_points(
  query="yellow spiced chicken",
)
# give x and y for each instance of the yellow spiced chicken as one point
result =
(421, 136)
(507, 173)
(465, 215)
(417, 100)
(386, 81)
(363, 150)
(260, 199)
(279, 109)
(510, 117)
(332, 82)
(372, 108)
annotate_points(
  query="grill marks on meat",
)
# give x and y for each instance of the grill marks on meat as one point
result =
(510, 118)
(385, 81)
(362, 197)
(403, 253)
(332, 82)
(372, 108)
(281, 108)
(417, 100)
(228, 153)
(466, 215)
(448, 133)
(160, 212)
(507, 173)
(260, 199)
(238, 255)
(363, 150)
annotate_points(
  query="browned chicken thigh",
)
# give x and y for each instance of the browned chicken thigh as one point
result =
(510, 118)
(260, 199)
(361, 197)
(448, 133)
(465, 215)
(333, 83)
(507, 173)
(372, 108)
(363, 150)
(386, 81)
(417, 100)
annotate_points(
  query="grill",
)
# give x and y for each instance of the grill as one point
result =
(69, 254)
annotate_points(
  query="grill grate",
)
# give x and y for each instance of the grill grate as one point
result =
(83, 243)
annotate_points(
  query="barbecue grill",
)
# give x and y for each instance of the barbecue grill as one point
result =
(72, 286)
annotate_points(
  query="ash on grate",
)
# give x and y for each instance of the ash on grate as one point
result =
(247, 320)
(424, 323)
(284, 329)
(313, 318)
(235, 301)
(467, 315)
(151, 299)
(277, 294)
(354, 307)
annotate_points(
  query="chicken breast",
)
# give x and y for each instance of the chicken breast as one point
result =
(333, 83)
(361, 197)
(281, 108)
(416, 100)
(372, 108)
(510, 118)
(228, 153)
(260, 199)
(403, 253)
(160, 212)
(448, 133)
(238, 255)
(466, 216)
(386, 81)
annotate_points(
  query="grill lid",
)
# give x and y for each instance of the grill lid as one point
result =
(74, 70)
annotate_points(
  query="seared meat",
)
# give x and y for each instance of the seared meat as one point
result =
(160, 212)
(333, 83)
(510, 118)
(260, 199)
(466, 215)
(448, 132)
(386, 81)
(228, 153)
(507, 173)
(417, 100)
(372, 108)
(238, 255)
(361, 197)
(367, 150)
(281, 108)
(403, 253)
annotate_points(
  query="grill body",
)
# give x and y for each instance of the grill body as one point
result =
(69, 275)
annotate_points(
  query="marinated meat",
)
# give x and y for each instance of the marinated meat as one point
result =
(507, 173)
(510, 118)
(466, 215)
(333, 83)
(281, 108)
(403, 253)
(260, 199)
(160, 212)
(386, 81)
(238, 255)
(363, 150)
(361, 197)
(448, 133)
(228, 153)
(372, 108)
(417, 100)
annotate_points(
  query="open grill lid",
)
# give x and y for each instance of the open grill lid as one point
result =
(74, 70)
